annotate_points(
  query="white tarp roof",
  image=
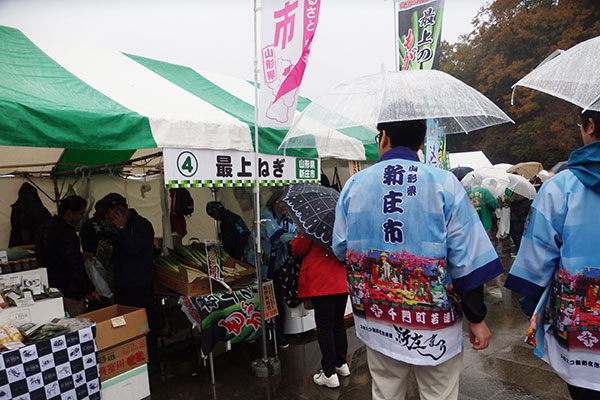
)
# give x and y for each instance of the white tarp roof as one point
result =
(473, 159)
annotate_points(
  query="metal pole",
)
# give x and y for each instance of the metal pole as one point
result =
(167, 242)
(258, 247)
(264, 366)
(396, 34)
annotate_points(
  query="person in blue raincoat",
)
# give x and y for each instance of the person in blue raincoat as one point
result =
(416, 256)
(276, 231)
(557, 267)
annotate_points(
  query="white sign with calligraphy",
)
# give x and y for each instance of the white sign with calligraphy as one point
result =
(228, 168)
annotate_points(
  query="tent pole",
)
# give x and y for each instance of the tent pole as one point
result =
(265, 366)
(56, 192)
(167, 242)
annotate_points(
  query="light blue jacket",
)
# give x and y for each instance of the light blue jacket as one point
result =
(559, 264)
(407, 231)
(276, 231)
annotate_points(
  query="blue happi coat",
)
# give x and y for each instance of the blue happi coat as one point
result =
(411, 241)
(276, 230)
(559, 264)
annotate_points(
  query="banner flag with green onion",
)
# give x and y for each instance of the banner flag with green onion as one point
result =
(419, 33)
(419, 37)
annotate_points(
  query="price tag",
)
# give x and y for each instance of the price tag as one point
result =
(118, 321)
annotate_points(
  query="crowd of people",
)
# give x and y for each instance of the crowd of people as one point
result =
(412, 248)
(116, 240)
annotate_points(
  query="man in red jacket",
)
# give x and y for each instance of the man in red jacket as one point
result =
(323, 279)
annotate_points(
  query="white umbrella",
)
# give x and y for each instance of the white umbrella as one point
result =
(497, 181)
(392, 96)
(522, 186)
(493, 179)
(572, 75)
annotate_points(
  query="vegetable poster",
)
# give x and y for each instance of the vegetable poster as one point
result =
(232, 316)
(419, 33)
(287, 31)
(213, 258)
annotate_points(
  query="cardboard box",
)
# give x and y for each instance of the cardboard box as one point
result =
(40, 312)
(231, 262)
(180, 283)
(117, 324)
(132, 385)
(122, 358)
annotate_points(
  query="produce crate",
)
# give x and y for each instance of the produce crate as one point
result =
(182, 281)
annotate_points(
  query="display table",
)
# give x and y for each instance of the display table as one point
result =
(39, 312)
(61, 367)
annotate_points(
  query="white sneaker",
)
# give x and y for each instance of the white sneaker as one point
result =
(344, 370)
(320, 379)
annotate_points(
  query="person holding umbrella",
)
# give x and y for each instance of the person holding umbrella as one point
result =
(412, 240)
(322, 277)
(276, 231)
(557, 264)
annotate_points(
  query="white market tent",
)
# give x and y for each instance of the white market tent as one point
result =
(473, 159)
(67, 110)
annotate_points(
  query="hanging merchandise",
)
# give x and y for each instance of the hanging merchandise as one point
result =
(184, 204)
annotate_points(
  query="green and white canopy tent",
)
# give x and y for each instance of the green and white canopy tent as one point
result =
(67, 105)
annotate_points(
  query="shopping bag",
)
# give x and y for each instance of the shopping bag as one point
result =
(97, 275)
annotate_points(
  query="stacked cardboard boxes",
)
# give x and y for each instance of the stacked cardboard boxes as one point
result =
(121, 339)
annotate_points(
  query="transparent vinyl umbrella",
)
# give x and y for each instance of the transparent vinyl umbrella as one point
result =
(572, 75)
(497, 181)
(391, 96)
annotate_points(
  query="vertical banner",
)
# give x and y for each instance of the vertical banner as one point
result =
(419, 37)
(419, 33)
(287, 31)
(213, 259)
(433, 144)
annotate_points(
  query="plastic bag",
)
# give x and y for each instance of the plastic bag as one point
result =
(97, 275)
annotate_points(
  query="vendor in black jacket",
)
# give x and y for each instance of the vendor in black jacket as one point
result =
(57, 249)
(133, 261)
(234, 231)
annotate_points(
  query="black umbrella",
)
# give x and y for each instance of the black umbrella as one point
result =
(559, 166)
(460, 172)
(312, 207)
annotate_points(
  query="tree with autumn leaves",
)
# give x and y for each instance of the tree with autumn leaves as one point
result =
(510, 38)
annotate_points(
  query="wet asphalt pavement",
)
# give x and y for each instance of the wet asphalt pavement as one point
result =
(506, 370)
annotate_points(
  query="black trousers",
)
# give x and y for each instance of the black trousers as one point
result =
(331, 332)
(516, 232)
(579, 393)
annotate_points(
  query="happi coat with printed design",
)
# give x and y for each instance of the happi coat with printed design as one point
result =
(412, 242)
(558, 265)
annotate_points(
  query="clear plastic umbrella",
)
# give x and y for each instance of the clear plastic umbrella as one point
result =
(493, 179)
(497, 181)
(392, 96)
(522, 186)
(572, 75)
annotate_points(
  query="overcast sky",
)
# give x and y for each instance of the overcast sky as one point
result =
(354, 37)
